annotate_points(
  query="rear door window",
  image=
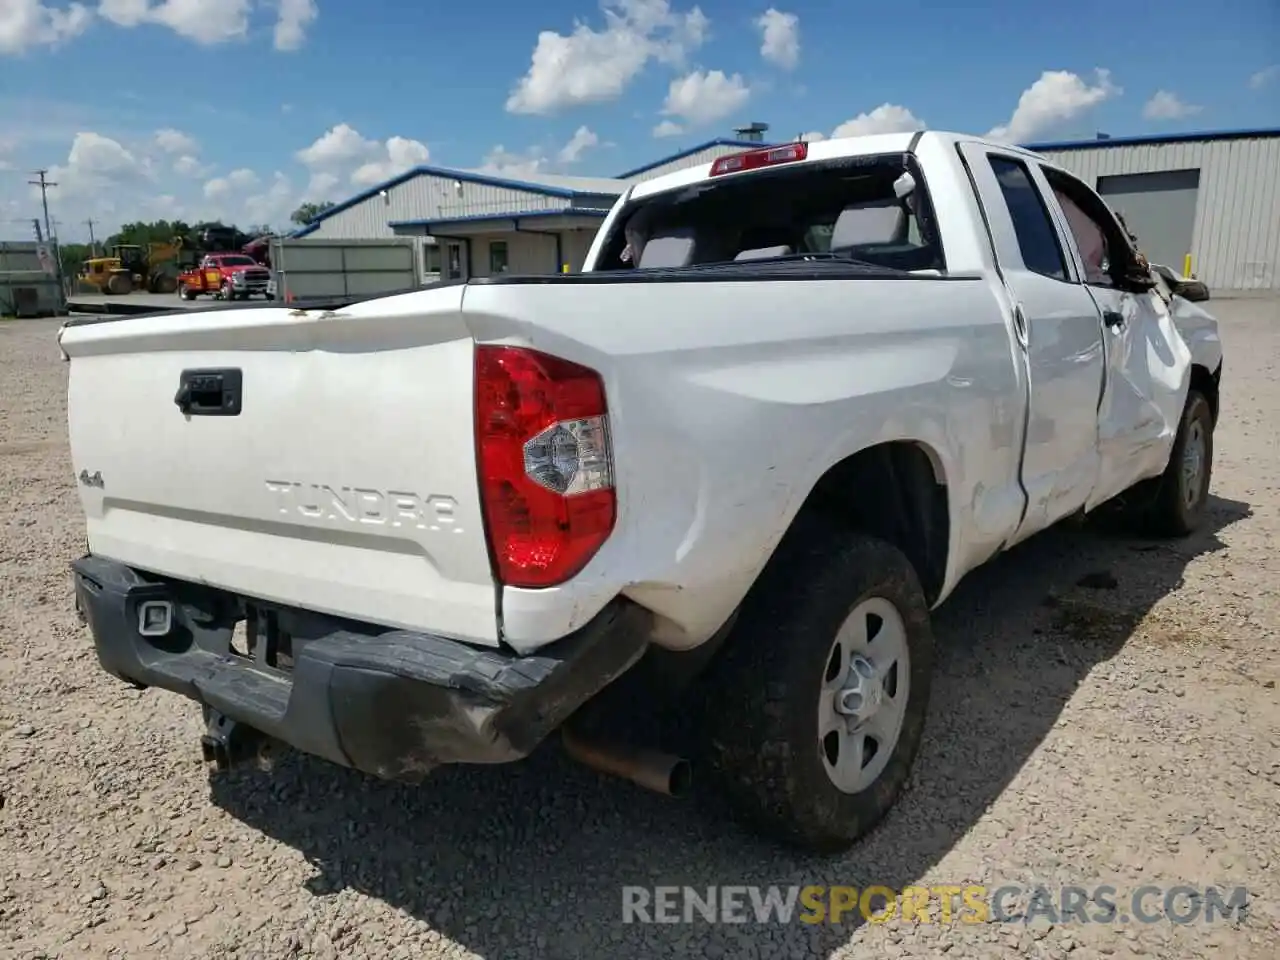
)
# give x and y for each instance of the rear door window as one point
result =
(1037, 237)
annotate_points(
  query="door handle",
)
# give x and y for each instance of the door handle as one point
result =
(1113, 319)
(1020, 325)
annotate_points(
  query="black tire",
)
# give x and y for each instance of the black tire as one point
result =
(187, 293)
(228, 293)
(761, 724)
(1178, 500)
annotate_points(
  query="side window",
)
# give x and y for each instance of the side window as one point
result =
(1089, 227)
(1037, 238)
(430, 258)
(497, 257)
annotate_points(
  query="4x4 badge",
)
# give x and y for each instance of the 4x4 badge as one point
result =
(94, 480)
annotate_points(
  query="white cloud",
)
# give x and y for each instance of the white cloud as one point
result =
(340, 146)
(1264, 76)
(29, 23)
(321, 186)
(1165, 105)
(704, 97)
(583, 139)
(175, 141)
(94, 155)
(596, 66)
(343, 151)
(115, 180)
(401, 155)
(539, 159)
(780, 38)
(190, 166)
(668, 128)
(206, 22)
(291, 25)
(1058, 97)
(507, 163)
(886, 118)
(239, 181)
(274, 204)
(813, 136)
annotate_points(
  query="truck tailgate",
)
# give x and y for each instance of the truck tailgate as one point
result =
(344, 480)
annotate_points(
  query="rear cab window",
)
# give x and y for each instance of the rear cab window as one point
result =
(872, 209)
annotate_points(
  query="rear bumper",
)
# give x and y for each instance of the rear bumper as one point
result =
(391, 703)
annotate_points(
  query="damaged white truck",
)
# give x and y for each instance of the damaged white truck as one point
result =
(794, 397)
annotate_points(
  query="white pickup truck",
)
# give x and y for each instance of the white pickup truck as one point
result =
(794, 397)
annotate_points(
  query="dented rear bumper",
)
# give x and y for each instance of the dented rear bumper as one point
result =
(391, 703)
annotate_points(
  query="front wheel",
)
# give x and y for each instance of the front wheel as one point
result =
(818, 707)
(1182, 491)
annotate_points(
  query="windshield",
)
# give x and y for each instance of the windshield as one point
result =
(873, 209)
(237, 261)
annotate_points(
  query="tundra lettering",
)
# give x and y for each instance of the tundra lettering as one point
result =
(393, 508)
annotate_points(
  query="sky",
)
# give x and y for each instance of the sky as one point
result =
(241, 109)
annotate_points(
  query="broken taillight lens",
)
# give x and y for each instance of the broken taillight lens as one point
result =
(546, 467)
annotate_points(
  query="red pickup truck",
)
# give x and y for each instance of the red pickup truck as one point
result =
(226, 276)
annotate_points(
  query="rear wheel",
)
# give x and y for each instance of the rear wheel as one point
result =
(186, 292)
(818, 706)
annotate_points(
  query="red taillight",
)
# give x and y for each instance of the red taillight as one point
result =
(546, 469)
(754, 159)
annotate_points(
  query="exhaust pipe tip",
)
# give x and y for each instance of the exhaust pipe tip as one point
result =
(662, 773)
(680, 779)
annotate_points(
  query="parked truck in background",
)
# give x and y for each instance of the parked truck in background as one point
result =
(226, 276)
(796, 395)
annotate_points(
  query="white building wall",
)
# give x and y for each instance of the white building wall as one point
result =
(576, 245)
(427, 197)
(526, 253)
(1236, 244)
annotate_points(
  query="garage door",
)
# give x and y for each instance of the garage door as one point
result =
(1160, 208)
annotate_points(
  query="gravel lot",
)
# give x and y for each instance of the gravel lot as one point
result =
(1106, 712)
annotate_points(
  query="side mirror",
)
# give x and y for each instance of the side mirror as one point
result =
(1193, 290)
(1138, 280)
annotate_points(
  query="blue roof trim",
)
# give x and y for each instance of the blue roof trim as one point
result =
(499, 217)
(1156, 138)
(719, 142)
(465, 176)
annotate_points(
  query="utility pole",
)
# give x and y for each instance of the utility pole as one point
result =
(93, 244)
(44, 186)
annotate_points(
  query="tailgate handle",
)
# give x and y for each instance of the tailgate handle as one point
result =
(210, 393)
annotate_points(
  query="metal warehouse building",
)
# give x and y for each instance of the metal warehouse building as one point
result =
(1211, 197)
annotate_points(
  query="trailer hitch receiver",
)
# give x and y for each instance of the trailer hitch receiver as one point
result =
(228, 742)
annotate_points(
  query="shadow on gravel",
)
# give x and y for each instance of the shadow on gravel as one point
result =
(530, 859)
